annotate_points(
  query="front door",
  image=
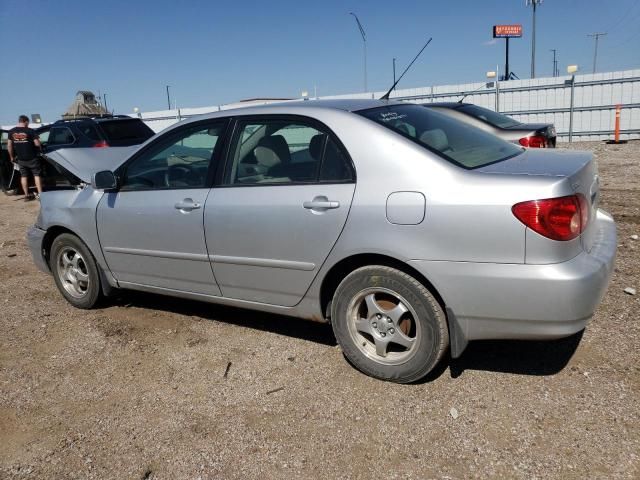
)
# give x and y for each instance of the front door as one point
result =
(283, 203)
(151, 230)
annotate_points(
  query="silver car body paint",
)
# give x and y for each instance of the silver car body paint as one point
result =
(498, 278)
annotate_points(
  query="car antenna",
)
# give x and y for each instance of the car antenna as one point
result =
(386, 95)
(469, 93)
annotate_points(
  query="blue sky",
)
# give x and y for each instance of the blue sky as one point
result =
(214, 52)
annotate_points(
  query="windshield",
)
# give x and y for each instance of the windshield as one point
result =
(457, 142)
(493, 118)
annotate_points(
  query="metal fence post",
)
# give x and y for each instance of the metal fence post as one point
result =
(573, 84)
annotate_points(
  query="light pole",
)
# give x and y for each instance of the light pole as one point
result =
(364, 42)
(555, 65)
(497, 85)
(534, 3)
(168, 99)
(572, 69)
(595, 52)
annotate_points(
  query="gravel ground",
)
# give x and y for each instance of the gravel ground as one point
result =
(150, 387)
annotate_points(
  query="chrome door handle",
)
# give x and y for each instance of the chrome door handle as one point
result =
(187, 205)
(321, 203)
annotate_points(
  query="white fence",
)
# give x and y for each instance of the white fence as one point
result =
(540, 100)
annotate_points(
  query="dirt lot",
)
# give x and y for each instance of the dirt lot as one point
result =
(138, 389)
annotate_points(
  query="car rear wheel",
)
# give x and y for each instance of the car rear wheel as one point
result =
(388, 324)
(75, 271)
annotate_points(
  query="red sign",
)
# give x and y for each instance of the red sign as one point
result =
(507, 31)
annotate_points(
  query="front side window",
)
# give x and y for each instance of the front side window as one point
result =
(456, 142)
(180, 160)
(44, 136)
(285, 152)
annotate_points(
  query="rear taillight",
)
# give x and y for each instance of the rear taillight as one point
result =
(100, 144)
(562, 218)
(534, 141)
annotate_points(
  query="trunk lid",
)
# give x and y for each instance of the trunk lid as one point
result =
(84, 162)
(578, 169)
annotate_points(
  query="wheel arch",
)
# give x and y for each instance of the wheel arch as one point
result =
(347, 265)
(55, 231)
(52, 233)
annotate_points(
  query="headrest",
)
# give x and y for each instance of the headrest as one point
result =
(315, 146)
(435, 139)
(403, 128)
(272, 151)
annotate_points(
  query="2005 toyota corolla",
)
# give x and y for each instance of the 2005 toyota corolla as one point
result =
(410, 232)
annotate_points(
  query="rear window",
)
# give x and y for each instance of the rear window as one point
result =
(457, 142)
(492, 118)
(126, 129)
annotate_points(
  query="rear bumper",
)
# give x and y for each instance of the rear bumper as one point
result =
(35, 237)
(522, 301)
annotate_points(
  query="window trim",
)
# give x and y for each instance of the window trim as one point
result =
(234, 136)
(218, 150)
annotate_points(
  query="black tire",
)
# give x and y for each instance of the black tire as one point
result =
(388, 324)
(75, 271)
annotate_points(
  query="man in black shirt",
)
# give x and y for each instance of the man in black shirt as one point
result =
(24, 147)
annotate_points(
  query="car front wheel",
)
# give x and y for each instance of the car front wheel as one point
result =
(388, 324)
(75, 271)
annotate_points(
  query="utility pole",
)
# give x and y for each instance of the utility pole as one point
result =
(595, 52)
(534, 3)
(364, 41)
(555, 64)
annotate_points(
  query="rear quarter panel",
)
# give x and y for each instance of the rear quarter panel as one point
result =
(467, 216)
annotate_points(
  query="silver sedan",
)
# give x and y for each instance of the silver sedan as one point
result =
(410, 232)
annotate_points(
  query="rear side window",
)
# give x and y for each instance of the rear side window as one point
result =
(280, 151)
(126, 129)
(60, 136)
(456, 142)
(90, 131)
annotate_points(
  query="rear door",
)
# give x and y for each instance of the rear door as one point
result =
(151, 230)
(280, 209)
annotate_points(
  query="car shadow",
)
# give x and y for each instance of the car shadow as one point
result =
(282, 325)
(522, 357)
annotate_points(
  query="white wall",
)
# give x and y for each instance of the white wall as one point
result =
(539, 100)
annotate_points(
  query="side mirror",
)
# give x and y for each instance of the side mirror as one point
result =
(104, 180)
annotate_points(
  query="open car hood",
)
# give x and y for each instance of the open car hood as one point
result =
(84, 162)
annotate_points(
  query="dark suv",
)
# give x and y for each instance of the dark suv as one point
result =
(107, 131)
(104, 131)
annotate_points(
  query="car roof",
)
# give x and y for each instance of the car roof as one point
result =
(294, 107)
